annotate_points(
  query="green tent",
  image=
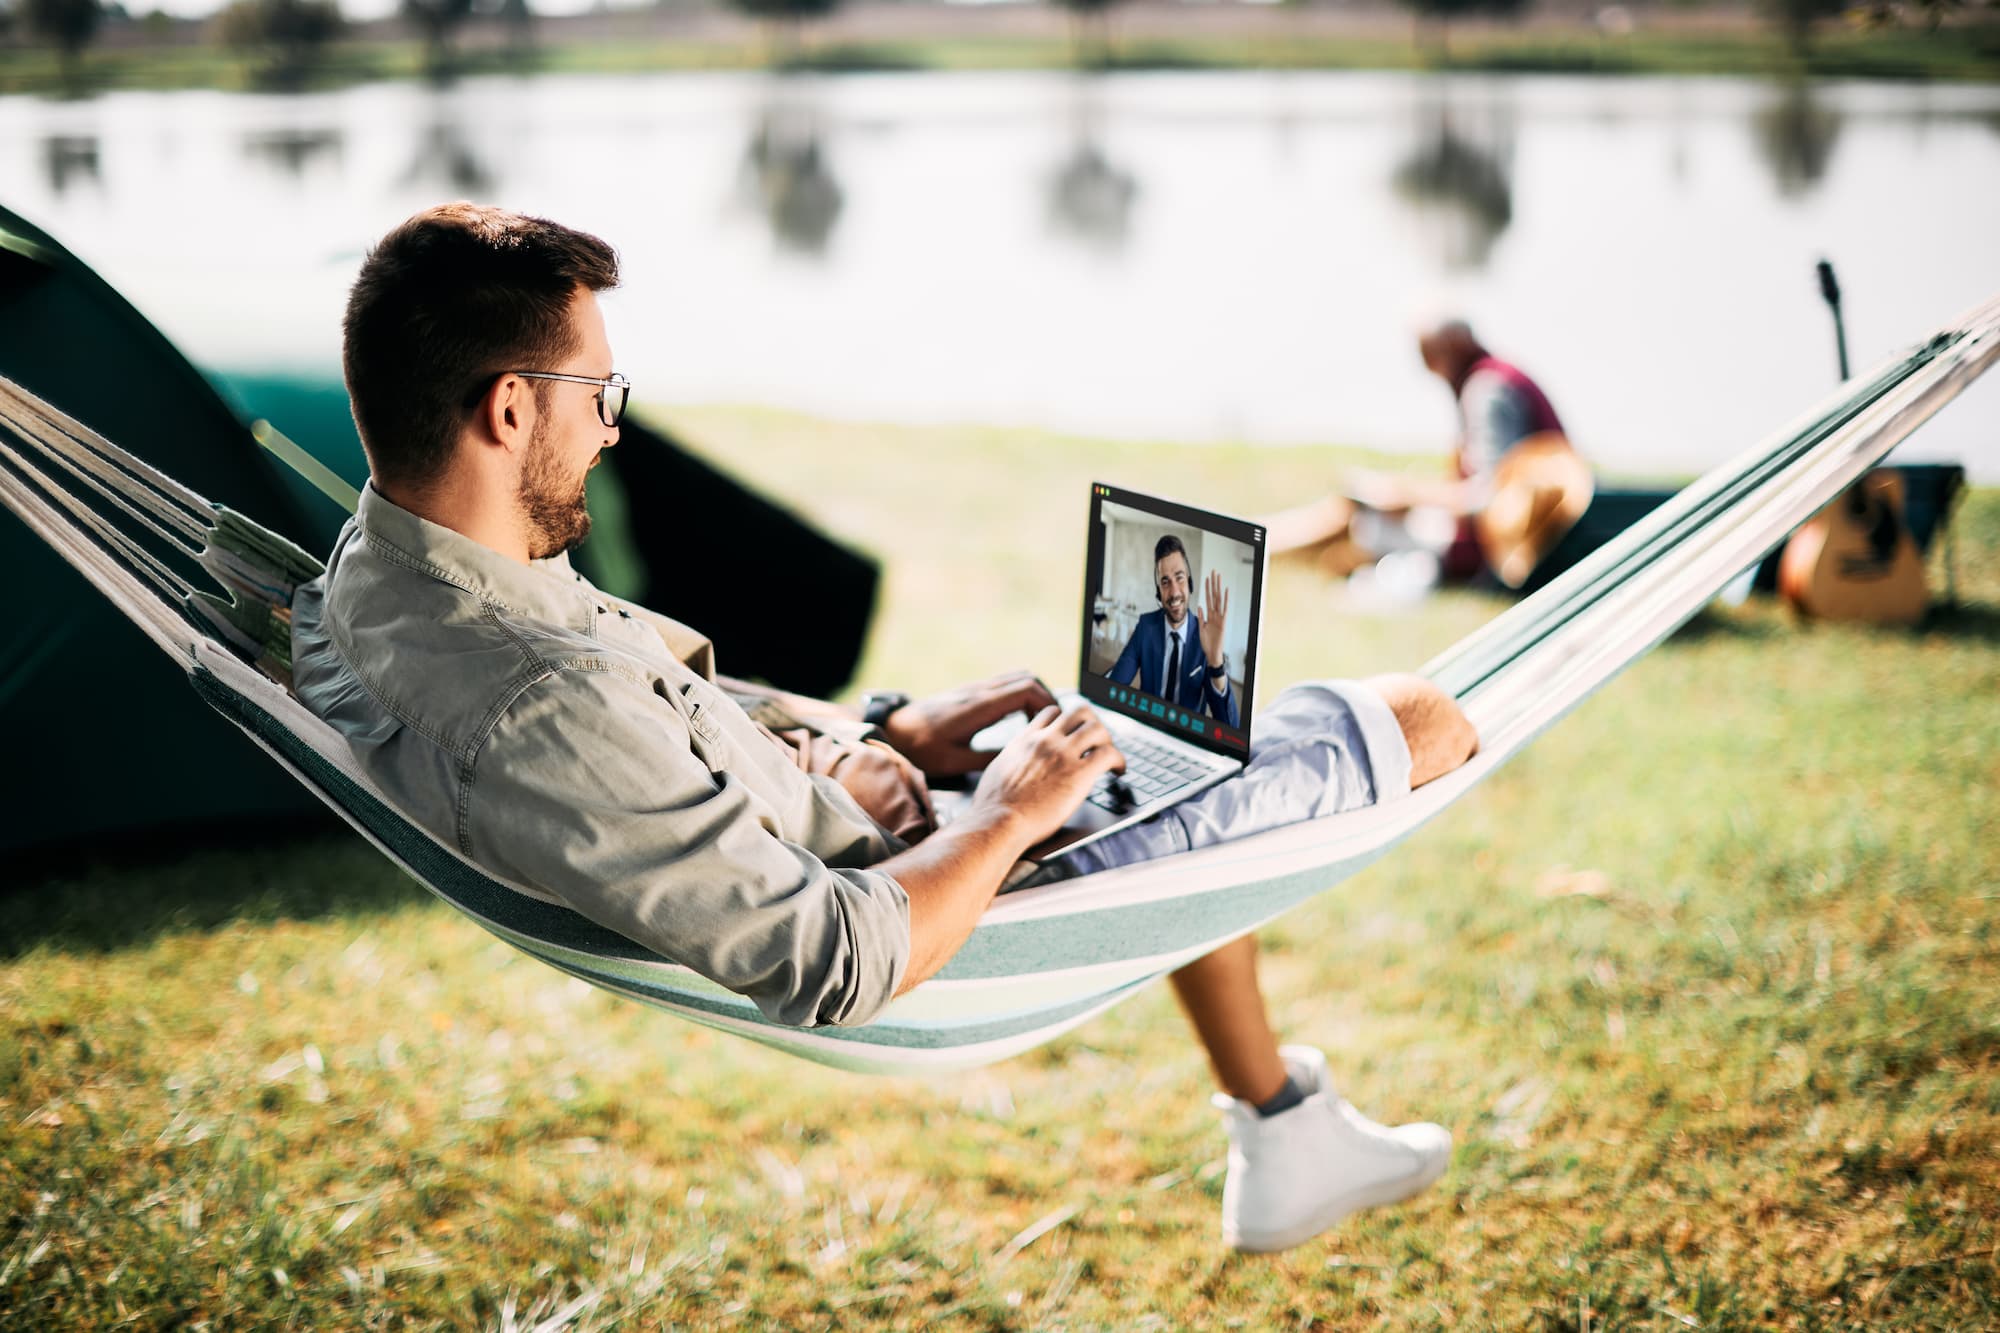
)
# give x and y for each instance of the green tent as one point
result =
(74, 674)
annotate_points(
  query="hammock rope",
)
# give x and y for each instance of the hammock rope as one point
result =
(1043, 959)
(136, 556)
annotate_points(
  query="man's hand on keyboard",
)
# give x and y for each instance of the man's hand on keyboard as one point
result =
(935, 733)
(1045, 772)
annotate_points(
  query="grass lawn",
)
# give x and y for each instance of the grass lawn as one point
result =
(1704, 983)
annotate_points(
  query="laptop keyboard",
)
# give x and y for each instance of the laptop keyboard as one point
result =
(1151, 772)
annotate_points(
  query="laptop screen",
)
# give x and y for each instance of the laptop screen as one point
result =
(1152, 649)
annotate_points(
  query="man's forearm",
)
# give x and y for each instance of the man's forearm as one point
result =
(950, 878)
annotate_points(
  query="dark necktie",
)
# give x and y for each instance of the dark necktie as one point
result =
(1174, 672)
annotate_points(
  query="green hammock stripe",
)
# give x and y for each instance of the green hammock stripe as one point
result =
(887, 1031)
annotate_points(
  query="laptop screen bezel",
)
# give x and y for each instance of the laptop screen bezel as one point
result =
(1214, 736)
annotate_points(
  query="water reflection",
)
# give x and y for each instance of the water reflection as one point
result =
(69, 159)
(787, 177)
(445, 156)
(1458, 181)
(1795, 135)
(291, 150)
(1090, 196)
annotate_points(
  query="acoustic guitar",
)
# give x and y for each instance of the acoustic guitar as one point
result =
(1541, 486)
(1855, 559)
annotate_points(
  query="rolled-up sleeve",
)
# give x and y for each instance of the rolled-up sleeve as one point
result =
(589, 786)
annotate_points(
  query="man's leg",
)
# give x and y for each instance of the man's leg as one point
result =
(1300, 1157)
(1219, 994)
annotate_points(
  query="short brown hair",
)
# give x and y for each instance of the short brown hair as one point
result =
(454, 296)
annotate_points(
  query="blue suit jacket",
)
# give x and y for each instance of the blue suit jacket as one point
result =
(1146, 654)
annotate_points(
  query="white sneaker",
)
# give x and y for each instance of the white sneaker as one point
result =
(1294, 1174)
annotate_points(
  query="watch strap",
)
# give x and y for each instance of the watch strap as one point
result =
(876, 705)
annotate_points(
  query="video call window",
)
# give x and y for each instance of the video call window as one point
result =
(1147, 608)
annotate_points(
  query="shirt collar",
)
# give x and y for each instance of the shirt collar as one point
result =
(546, 590)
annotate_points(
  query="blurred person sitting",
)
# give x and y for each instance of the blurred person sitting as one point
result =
(584, 749)
(1516, 484)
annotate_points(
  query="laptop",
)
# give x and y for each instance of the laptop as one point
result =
(1147, 562)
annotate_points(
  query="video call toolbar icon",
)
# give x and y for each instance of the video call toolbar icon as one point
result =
(1150, 707)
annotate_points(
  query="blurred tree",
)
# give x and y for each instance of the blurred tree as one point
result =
(1435, 16)
(1461, 186)
(288, 35)
(1931, 13)
(1795, 18)
(437, 20)
(1090, 31)
(69, 160)
(292, 151)
(787, 175)
(1090, 198)
(519, 20)
(1795, 134)
(446, 154)
(785, 21)
(70, 24)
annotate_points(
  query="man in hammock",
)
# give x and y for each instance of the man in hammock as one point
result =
(582, 748)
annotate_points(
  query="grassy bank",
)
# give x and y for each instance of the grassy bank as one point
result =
(1703, 983)
(1971, 52)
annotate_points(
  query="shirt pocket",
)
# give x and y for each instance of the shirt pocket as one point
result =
(704, 726)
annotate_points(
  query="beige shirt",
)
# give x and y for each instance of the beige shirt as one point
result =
(579, 747)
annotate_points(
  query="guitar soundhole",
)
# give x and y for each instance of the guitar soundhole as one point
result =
(1877, 521)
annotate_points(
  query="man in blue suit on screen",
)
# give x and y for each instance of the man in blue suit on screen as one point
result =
(1176, 655)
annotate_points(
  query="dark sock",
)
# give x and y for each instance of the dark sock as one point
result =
(1284, 1099)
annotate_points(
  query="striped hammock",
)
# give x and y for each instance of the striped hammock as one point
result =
(1044, 959)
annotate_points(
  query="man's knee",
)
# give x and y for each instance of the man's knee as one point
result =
(1439, 734)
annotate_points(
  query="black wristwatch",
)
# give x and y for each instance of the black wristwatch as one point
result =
(1220, 669)
(876, 705)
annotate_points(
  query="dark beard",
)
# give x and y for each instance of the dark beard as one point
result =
(556, 517)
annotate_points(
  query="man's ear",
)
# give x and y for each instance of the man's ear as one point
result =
(506, 415)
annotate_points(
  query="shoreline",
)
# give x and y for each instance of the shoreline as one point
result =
(162, 53)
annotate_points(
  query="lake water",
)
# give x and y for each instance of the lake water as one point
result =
(1189, 256)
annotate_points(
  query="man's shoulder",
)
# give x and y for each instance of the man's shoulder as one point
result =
(376, 646)
(1492, 380)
